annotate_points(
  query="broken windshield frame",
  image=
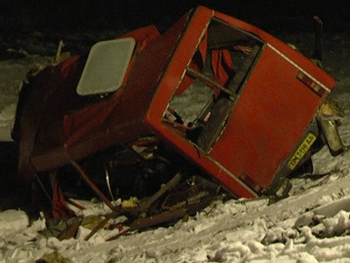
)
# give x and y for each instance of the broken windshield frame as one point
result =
(213, 79)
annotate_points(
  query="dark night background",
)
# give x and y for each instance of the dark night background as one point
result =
(20, 17)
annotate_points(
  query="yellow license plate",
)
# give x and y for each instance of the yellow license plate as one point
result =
(302, 149)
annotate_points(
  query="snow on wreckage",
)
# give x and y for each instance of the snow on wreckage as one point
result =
(168, 118)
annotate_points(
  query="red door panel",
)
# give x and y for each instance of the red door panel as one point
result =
(268, 120)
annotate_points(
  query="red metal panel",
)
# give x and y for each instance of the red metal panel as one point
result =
(179, 61)
(290, 53)
(119, 118)
(167, 88)
(268, 120)
(59, 156)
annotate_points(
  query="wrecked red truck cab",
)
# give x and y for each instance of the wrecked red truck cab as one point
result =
(225, 96)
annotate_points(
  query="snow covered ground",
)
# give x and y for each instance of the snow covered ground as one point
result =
(312, 225)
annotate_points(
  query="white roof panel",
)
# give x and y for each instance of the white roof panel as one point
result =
(106, 66)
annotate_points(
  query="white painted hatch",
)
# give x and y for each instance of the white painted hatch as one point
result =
(106, 66)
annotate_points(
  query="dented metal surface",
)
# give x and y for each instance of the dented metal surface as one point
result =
(213, 96)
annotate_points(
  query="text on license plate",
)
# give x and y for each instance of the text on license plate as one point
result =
(302, 149)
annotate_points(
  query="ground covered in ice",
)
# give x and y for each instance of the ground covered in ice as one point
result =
(312, 225)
